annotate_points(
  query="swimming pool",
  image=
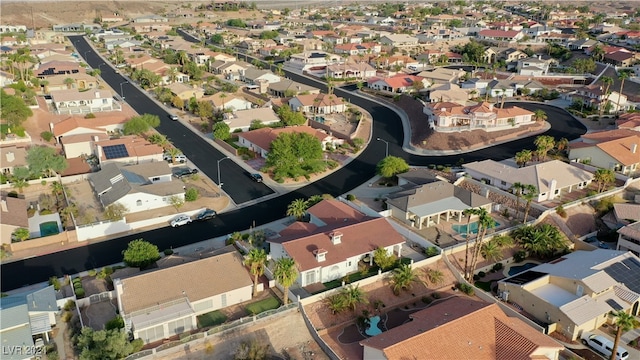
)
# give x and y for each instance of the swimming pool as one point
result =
(373, 328)
(473, 227)
(520, 268)
(49, 228)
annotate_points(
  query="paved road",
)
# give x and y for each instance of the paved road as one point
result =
(236, 183)
(387, 125)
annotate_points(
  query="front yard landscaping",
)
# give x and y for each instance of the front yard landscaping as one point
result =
(269, 303)
(211, 319)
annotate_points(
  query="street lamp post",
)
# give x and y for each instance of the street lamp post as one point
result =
(219, 161)
(386, 153)
(122, 93)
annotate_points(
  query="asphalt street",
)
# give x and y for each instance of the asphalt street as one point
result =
(387, 125)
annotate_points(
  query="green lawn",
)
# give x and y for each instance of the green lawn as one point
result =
(263, 305)
(211, 319)
(359, 276)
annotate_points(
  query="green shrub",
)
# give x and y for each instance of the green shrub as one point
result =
(498, 266)
(191, 194)
(105, 272)
(560, 211)
(66, 316)
(439, 167)
(76, 280)
(476, 277)
(466, 288)
(46, 136)
(519, 256)
(168, 252)
(55, 282)
(426, 300)
(80, 293)
(90, 116)
(482, 274)
(92, 272)
(45, 212)
(115, 323)
(77, 285)
(435, 295)
(431, 251)
(69, 305)
(351, 197)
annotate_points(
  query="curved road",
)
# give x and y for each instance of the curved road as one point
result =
(387, 125)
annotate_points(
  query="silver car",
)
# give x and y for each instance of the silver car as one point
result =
(181, 220)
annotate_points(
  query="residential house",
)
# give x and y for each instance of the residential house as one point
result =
(620, 58)
(622, 214)
(254, 76)
(499, 88)
(12, 157)
(242, 119)
(477, 85)
(448, 92)
(153, 312)
(358, 70)
(577, 292)
(13, 215)
(141, 62)
(449, 116)
(312, 60)
(318, 104)
(222, 100)
(608, 150)
(500, 35)
(551, 178)
(230, 70)
(470, 327)
(141, 187)
(25, 317)
(426, 205)
(442, 75)
(77, 125)
(259, 140)
(81, 81)
(333, 242)
(629, 121)
(122, 44)
(50, 68)
(581, 44)
(629, 238)
(153, 18)
(533, 66)
(126, 150)
(593, 96)
(399, 40)
(288, 88)
(512, 55)
(358, 48)
(185, 92)
(395, 61)
(76, 102)
(401, 83)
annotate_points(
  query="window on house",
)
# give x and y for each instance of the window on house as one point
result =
(104, 101)
(157, 178)
(139, 203)
(503, 183)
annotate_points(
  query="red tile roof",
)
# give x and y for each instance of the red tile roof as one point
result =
(357, 239)
(472, 330)
(333, 212)
(265, 136)
(499, 33)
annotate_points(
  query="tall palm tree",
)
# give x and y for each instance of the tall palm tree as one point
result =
(607, 81)
(297, 208)
(517, 187)
(487, 93)
(523, 157)
(491, 251)
(485, 222)
(285, 273)
(402, 278)
(222, 97)
(544, 143)
(562, 144)
(173, 152)
(314, 199)
(353, 296)
(624, 322)
(530, 193)
(468, 213)
(256, 261)
(57, 189)
(622, 77)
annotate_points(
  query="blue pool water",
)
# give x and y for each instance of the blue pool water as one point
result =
(473, 227)
(520, 268)
(373, 329)
(49, 228)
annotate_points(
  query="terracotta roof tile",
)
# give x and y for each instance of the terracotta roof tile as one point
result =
(623, 149)
(472, 329)
(16, 212)
(263, 137)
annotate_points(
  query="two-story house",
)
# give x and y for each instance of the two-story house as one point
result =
(76, 102)
(450, 116)
(616, 150)
(577, 292)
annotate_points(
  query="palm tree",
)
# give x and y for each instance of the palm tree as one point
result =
(70, 212)
(19, 183)
(353, 296)
(622, 77)
(314, 199)
(336, 303)
(173, 152)
(562, 144)
(256, 261)
(624, 322)
(603, 177)
(57, 189)
(222, 97)
(285, 273)
(468, 213)
(402, 278)
(523, 157)
(540, 115)
(530, 193)
(69, 82)
(297, 208)
(435, 277)
(485, 222)
(607, 81)
(182, 58)
(517, 187)
(487, 93)
(544, 143)
(541, 240)
(491, 251)
(597, 52)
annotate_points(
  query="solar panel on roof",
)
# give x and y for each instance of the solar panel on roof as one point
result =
(626, 272)
(614, 305)
(115, 151)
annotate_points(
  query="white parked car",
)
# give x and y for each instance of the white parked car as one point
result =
(181, 158)
(181, 220)
(603, 345)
